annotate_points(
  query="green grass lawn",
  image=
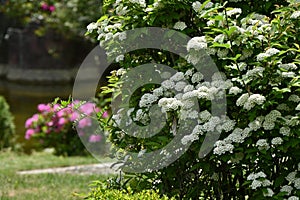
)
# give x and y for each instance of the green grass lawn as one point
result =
(42, 186)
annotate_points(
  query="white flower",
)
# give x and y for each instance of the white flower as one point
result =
(158, 91)
(273, 115)
(262, 144)
(283, 107)
(177, 77)
(92, 26)
(289, 66)
(256, 184)
(204, 115)
(169, 104)
(180, 26)
(168, 84)
(189, 138)
(242, 99)
(297, 183)
(253, 100)
(272, 51)
(294, 98)
(188, 88)
(196, 6)
(197, 77)
(235, 11)
(197, 43)
(293, 198)
(141, 116)
(286, 188)
(256, 124)
(228, 125)
(122, 36)
(235, 90)
(276, 141)
(119, 58)
(180, 86)
(268, 125)
(221, 147)
(298, 107)
(236, 136)
(121, 72)
(197, 130)
(291, 177)
(288, 74)
(285, 131)
(269, 193)
(254, 176)
(295, 15)
(147, 100)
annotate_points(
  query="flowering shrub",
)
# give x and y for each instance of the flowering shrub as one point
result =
(53, 126)
(257, 54)
(67, 17)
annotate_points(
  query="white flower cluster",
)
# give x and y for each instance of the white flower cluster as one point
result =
(179, 26)
(197, 6)
(286, 188)
(262, 144)
(285, 131)
(197, 43)
(295, 15)
(234, 11)
(293, 198)
(288, 66)
(221, 147)
(235, 90)
(142, 3)
(169, 104)
(276, 141)
(258, 180)
(193, 136)
(147, 100)
(270, 119)
(270, 52)
(292, 179)
(294, 98)
(249, 102)
(269, 193)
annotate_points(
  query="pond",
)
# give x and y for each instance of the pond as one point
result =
(24, 98)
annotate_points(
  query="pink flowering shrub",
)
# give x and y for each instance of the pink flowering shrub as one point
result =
(54, 125)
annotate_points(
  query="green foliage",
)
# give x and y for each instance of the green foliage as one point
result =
(258, 54)
(7, 127)
(69, 18)
(102, 192)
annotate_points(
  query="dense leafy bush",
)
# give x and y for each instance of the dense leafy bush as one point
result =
(102, 192)
(257, 54)
(7, 127)
(53, 127)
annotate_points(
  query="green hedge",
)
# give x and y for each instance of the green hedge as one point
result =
(7, 127)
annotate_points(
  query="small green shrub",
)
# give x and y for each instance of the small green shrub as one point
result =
(101, 192)
(7, 127)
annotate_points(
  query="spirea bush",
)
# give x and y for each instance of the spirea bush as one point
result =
(7, 126)
(53, 126)
(255, 46)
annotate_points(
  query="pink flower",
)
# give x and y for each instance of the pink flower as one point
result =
(105, 114)
(62, 121)
(74, 116)
(51, 8)
(30, 121)
(44, 6)
(44, 108)
(84, 123)
(89, 108)
(95, 138)
(29, 133)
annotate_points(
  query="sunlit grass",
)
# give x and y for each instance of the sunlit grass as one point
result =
(42, 186)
